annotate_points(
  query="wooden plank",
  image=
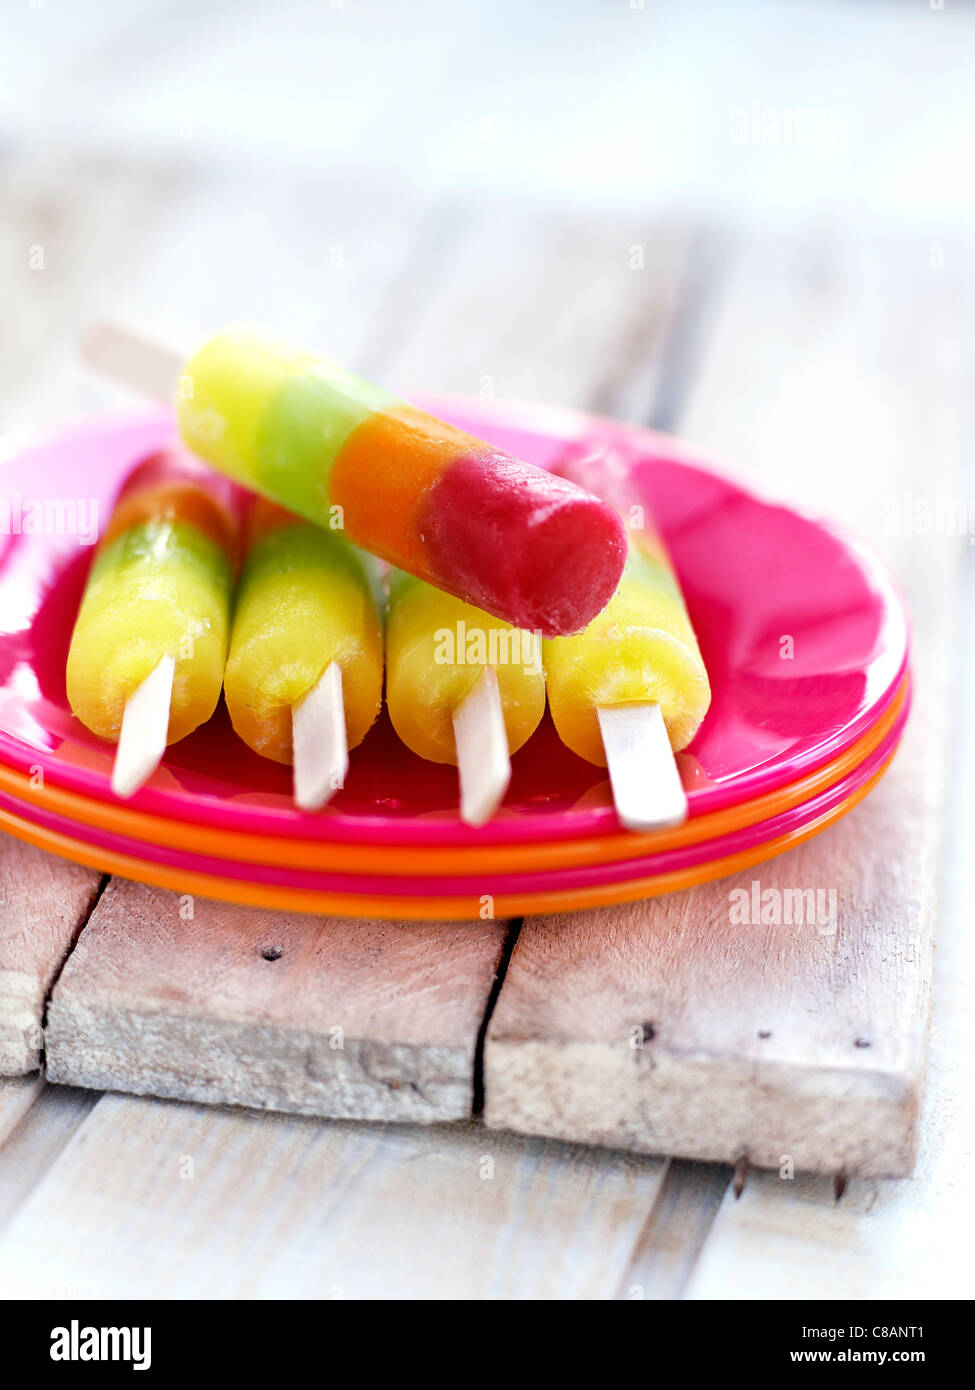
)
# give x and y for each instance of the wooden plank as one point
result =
(77, 213)
(244, 1205)
(46, 1119)
(758, 1040)
(678, 1225)
(767, 1042)
(65, 245)
(578, 311)
(201, 1000)
(43, 902)
(17, 1095)
(884, 1239)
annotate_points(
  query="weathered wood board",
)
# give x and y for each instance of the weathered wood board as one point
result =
(664, 1027)
(201, 1000)
(792, 1239)
(36, 1124)
(666, 1255)
(236, 1204)
(43, 902)
(17, 1095)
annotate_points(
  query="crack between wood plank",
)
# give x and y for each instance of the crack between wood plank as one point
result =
(669, 1246)
(507, 950)
(75, 938)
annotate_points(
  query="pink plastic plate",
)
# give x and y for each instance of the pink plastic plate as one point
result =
(496, 884)
(754, 571)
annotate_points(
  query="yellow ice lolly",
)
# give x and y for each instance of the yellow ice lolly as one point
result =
(305, 598)
(160, 585)
(641, 649)
(436, 648)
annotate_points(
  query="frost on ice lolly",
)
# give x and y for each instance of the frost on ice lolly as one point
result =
(637, 662)
(152, 627)
(533, 549)
(461, 687)
(308, 603)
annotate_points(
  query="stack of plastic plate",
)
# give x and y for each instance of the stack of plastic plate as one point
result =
(803, 632)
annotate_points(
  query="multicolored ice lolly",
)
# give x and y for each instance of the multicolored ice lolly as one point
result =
(535, 550)
(161, 583)
(641, 649)
(436, 648)
(305, 598)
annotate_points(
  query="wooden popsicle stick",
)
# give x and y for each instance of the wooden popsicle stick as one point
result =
(145, 724)
(647, 789)
(320, 752)
(137, 361)
(483, 761)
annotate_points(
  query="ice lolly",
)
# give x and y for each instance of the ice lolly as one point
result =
(636, 673)
(304, 677)
(147, 653)
(462, 687)
(535, 550)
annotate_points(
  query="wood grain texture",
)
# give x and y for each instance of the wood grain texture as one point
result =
(562, 317)
(664, 1027)
(316, 1016)
(680, 1220)
(34, 1128)
(884, 1239)
(43, 902)
(186, 1201)
(17, 1095)
(80, 214)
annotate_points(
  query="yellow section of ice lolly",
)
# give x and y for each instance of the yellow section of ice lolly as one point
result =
(305, 598)
(641, 649)
(160, 584)
(436, 648)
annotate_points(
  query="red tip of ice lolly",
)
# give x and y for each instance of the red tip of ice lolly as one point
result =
(171, 482)
(168, 466)
(521, 542)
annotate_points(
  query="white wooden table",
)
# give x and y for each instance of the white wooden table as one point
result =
(830, 354)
